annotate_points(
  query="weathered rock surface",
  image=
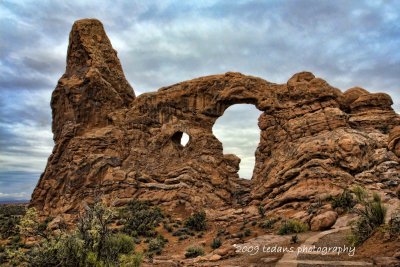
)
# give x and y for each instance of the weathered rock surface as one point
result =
(314, 139)
(323, 221)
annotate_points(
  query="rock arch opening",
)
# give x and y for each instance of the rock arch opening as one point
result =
(180, 138)
(238, 131)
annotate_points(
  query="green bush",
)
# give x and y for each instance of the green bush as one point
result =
(92, 244)
(156, 245)
(247, 232)
(16, 257)
(394, 225)
(372, 215)
(194, 252)
(294, 239)
(93, 260)
(70, 250)
(261, 211)
(181, 232)
(184, 237)
(10, 216)
(268, 223)
(292, 227)
(3, 258)
(121, 243)
(360, 192)
(197, 221)
(221, 232)
(141, 218)
(168, 227)
(12, 210)
(116, 245)
(134, 260)
(344, 200)
(216, 243)
(31, 226)
(45, 254)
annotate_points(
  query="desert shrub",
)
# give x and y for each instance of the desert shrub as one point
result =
(122, 243)
(116, 245)
(134, 260)
(8, 227)
(247, 232)
(221, 232)
(70, 250)
(15, 240)
(183, 237)
(16, 257)
(45, 253)
(292, 227)
(394, 225)
(268, 223)
(197, 221)
(314, 207)
(360, 192)
(344, 200)
(156, 245)
(12, 210)
(372, 215)
(3, 258)
(93, 244)
(261, 211)
(141, 218)
(94, 229)
(294, 239)
(216, 243)
(100, 245)
(373, 210)
(30, 226)
(93, 260)
(181, 231)
(238, 235)
(168, 227)
(193, 252)
(10, 216)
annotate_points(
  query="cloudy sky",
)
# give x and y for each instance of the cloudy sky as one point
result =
(159, 43)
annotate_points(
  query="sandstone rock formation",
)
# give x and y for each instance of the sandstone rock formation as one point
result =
(314, 139)
(323, 221)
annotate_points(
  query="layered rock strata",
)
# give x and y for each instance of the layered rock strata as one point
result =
(314, 139)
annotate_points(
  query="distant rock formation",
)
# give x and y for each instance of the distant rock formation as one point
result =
(314, 139)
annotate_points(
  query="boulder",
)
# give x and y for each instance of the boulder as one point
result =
(323, 221)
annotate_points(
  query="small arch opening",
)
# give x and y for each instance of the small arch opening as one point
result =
(238, 131)
(185, 139)
(180, 138)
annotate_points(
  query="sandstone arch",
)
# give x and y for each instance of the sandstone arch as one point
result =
(314, 138)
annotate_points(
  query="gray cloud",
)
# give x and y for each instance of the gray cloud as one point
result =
(347, 43)
(16, 185)
(238, 131)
